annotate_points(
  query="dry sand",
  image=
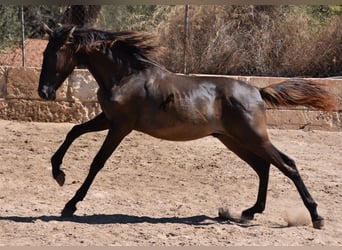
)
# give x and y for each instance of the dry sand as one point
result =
(155, 192)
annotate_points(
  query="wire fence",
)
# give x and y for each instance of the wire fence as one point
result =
(23, 39)
(213, 39)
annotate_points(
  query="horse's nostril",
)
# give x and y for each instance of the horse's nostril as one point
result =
(42, 94)
(47, 93)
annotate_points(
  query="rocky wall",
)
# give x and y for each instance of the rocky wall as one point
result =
(76, 101)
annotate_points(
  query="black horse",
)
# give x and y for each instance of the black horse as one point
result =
(136, 93)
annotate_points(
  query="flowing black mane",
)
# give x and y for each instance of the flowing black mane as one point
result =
(127, 47)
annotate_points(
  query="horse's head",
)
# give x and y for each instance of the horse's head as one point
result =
(58, 61)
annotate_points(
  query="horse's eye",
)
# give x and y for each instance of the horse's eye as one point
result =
(58, 74)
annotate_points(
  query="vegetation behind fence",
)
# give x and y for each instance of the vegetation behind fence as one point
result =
(237, 40)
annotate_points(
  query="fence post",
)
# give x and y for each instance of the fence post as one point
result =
(186, 33)
(23, 37)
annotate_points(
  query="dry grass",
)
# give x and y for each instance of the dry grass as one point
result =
(252, 40)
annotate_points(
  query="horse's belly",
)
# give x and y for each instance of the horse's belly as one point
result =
(176, 128)
(178, 133)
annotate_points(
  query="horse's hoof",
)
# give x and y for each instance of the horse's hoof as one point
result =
(68, 212)
(60, 179)
(247, 216)
(319, 223)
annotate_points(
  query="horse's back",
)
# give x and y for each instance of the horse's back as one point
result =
(180, 107)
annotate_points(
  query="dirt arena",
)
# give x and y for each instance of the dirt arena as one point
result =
(154, 192)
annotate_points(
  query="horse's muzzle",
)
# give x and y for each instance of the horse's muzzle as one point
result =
(47, 93)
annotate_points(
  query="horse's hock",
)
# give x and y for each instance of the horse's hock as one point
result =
(77, 101)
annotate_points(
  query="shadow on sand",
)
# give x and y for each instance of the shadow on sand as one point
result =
(101, 219)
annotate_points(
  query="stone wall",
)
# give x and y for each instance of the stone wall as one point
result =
(76, 101)
(19, 98)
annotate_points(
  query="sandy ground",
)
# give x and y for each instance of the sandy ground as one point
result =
(154, 192)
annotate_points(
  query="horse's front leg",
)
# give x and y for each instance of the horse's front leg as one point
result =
(113, 139)
(98, 123)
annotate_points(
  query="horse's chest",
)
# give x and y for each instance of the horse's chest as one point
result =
(108, 106)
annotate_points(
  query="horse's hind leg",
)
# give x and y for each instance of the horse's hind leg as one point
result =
(260, 166)
(259, 157)
(98, 123)
(288, 167)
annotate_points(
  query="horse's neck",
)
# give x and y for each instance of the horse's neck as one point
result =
(106, 72)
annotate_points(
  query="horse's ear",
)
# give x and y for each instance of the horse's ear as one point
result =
(72, 31)
(46, 29)
(67, 34)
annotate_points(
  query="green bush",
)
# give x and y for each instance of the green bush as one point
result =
(34, 16)
(9, 26)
